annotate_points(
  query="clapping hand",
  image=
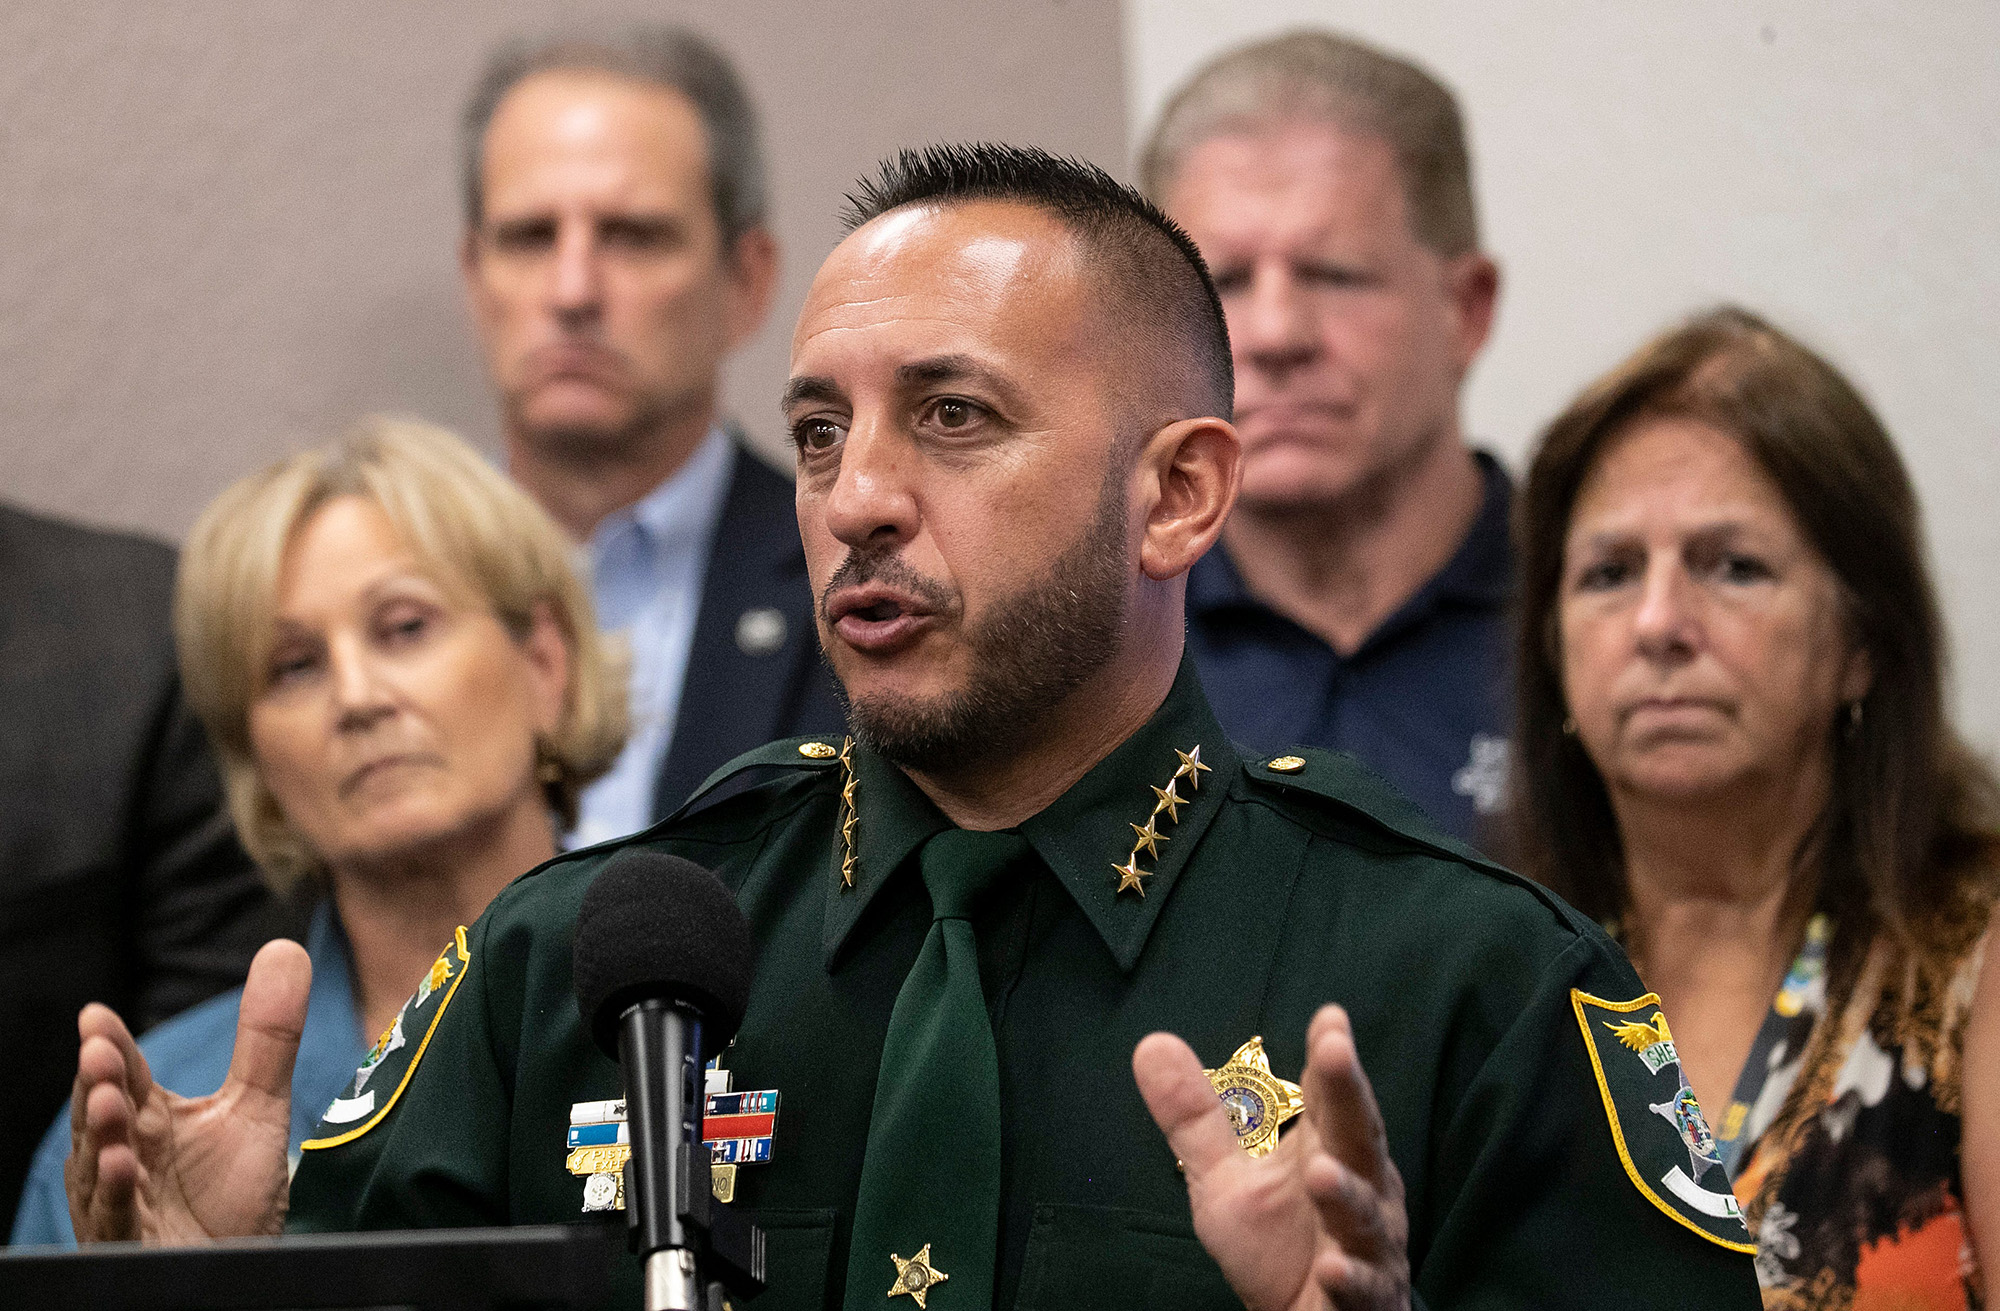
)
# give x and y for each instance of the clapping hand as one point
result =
(147, 1164)
(1319, 1222)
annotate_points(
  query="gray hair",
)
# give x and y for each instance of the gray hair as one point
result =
(670, 57)
(1313, 76)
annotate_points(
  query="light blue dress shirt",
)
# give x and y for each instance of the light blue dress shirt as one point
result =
(189, 1054)
(646, 565)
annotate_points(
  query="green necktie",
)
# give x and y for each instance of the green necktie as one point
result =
(927, 1219)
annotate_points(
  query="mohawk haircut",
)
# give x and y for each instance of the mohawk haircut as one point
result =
(1144, 255)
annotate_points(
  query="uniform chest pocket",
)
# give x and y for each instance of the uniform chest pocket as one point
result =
(1104, 1257)
(797, 1245)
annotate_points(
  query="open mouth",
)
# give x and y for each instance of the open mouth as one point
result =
(876, 619)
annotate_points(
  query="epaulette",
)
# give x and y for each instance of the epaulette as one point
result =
(1339, 778)
(809, 753)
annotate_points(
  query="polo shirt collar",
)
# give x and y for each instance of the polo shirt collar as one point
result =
(1083, 836)
(1480, 571)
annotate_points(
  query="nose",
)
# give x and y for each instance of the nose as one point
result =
(873, 503)
(576, 290)
(1269, 323)
(1665, 626)
(360, 699)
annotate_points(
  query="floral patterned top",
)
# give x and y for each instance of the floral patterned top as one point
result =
(1851, 1179)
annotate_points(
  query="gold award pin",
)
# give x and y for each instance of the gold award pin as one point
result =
(1259, 1102)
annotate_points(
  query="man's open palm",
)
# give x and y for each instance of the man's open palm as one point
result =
(148, 1164)
(1319, 1222)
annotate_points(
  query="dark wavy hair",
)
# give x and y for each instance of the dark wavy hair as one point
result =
(1909, 823)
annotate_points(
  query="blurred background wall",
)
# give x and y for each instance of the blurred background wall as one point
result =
(1836, 167)
(227, 228)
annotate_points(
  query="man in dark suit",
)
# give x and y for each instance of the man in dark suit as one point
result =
(121, 880)
(615, 253)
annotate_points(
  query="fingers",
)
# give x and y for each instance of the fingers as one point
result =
(102, 1173)
(1352, 1211)
(1183, 1103)
(1339, 1101)
(110, 1071)
(271, 1018)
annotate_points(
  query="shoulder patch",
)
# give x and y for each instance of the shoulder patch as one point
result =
(1662, 1137)
(372, 1093)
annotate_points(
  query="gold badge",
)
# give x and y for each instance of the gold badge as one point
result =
(817, 751)
(916, 1276)
(1286, 765)
(1258, 1101)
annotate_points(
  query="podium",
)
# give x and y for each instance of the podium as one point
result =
(548, 1266)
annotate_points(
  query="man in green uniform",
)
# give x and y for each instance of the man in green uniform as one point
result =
(1036, 852)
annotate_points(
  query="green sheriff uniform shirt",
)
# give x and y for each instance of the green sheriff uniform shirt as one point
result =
(1526, 1085)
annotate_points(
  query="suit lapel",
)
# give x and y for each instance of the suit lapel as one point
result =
(754, 649)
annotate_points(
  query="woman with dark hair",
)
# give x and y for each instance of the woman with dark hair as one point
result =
(1734, 751)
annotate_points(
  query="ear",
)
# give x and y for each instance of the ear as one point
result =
(1472, 282)
(547, 650)
(1188, 474)
(751, 265)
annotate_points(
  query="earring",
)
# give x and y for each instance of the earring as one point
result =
(1569, 726)
(1853, 718)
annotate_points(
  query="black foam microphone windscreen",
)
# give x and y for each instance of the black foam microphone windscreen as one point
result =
(655, 925)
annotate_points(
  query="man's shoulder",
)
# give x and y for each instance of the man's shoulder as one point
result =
(728, 819)
(1333, 796)
(40, 553)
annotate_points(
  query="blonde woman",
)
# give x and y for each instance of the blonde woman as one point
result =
(405, 684)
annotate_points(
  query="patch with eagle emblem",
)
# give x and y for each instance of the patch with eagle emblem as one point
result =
(1661, 1135)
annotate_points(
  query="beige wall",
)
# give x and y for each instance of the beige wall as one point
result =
(1835, 166)
(226, 228)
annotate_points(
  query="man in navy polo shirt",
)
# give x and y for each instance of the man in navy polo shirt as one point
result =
(1358, 599)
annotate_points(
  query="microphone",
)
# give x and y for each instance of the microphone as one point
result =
(663, 961)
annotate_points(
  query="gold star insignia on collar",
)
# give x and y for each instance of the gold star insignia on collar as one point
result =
(1148, 836)
(1258, 1101)
(1150, 839)
(1191, 767)
(916, 1277)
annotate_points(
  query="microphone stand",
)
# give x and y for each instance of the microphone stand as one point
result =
(692, 1246)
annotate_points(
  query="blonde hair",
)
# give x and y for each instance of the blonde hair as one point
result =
(486, 538)
(1322, 77)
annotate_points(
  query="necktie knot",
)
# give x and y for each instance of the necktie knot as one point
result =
(959, 865)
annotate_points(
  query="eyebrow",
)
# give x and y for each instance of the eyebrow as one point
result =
(931, 372)
(954, 368)
(810, 387)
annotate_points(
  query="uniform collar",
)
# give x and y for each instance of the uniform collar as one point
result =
(1083, 836)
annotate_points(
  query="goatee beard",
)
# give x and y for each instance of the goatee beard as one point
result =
(1029, 654)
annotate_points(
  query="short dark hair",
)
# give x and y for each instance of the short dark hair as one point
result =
(1907, 832)
(1143, 253)
(670, 57)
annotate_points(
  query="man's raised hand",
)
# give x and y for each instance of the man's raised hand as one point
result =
(147, 1164)
(1317, 1223)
